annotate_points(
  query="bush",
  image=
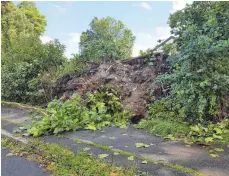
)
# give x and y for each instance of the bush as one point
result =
(22, 66)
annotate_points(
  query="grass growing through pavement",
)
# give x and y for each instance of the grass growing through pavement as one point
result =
(129, 154)
(63, 162)
(9, 121)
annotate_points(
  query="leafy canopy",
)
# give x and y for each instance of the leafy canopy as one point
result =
(14, 25)
(106, 37)
(33, 15)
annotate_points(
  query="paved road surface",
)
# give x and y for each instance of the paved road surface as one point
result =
(194, 157)
(19, 166)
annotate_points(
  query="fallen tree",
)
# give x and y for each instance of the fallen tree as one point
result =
(131, 78)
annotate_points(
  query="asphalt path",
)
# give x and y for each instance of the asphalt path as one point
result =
(19, 166)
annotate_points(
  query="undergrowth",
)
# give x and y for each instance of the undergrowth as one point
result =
(171, 128)
(164, 127)
(63, 162)
(199, 76)
(98, 110)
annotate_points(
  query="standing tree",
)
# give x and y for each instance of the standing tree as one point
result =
(106, 37)
(14, 24)
(32, 13)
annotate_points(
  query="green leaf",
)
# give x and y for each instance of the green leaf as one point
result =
(218, 130)
(195, 128)
(86, 149)
(130, 158)
(170, 137)
(123, 126)
(214, 155)
(102, 156)
(217, 137)
(209, 139)
(116, 153)
(144, 162)
(138, 145)
(91, 127)
(219, 150)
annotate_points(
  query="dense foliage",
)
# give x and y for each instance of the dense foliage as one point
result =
(29, 68)
(22, 65)
(106, 37)
(12, 19)
(101, 109)
(200, 78)
(33, 15)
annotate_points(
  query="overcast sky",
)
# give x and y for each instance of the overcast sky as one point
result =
(147, 20)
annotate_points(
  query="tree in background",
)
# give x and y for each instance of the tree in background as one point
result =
(24, 58)
(14, 24)
(33, 15)
(106, 37)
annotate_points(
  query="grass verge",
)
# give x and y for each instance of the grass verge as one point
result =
(128, 154)
(63, 162)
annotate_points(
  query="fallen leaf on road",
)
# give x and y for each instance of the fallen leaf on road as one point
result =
(112, 137)
(9, 154)
(144, 162)
(116, 153)
(214, 155)
(86, 149)
(219, 150)
(101, 156)
(130, 158)
(138, 145)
